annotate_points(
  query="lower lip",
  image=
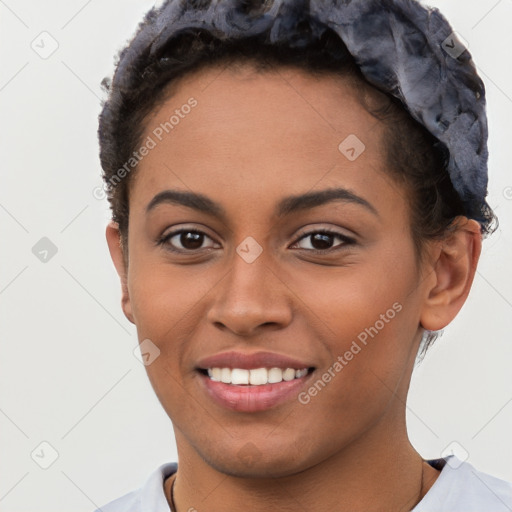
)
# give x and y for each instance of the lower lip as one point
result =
(249, 398)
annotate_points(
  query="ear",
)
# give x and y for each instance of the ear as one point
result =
(452, 275)
(115, 247)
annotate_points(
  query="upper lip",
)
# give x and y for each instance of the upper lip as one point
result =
(251, 361)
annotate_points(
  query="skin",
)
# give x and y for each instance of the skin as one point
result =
(253, 139)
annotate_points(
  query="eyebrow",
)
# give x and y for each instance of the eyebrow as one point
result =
(286, 206)
(309, 200)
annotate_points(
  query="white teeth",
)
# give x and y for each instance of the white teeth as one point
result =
(239, 376)
(255, 377)
(289, 374)
(225, 375)
(258, 377)
(275, 375)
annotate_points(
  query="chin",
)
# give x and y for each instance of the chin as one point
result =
(249, 461)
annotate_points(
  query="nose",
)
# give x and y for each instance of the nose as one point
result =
(250, 299)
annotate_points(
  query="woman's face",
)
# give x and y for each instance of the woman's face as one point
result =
(257, 240)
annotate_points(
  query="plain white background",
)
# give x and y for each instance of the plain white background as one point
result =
(69, 378)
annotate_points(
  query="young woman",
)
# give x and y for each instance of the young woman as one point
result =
(298, 204)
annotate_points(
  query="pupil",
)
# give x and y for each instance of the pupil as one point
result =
(321, 241)
(191, 240)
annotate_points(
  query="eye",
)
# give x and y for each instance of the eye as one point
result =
(187, 240)
(323, 240)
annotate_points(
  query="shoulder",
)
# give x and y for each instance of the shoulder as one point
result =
(148, 498)
(462, 488)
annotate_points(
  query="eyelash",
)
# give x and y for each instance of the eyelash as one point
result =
(164, 241)
(346, 240)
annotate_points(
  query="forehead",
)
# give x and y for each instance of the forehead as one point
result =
(261, 132)
(285, 98)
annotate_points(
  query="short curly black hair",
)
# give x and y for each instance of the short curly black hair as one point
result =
(145, 69)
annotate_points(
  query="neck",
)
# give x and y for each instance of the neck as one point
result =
(368, 476)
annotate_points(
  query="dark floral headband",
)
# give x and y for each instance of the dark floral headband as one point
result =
(411, 52)
(402, 48)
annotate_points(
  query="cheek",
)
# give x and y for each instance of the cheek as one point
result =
(166, 303)
(165, 299)
(353, 299)
(362, 380)
(368, 319)
(164, 310)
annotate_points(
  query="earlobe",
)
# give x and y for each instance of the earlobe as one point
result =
(117, 254)
(453, 275)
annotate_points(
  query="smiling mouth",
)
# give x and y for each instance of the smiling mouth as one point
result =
(254, 377)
